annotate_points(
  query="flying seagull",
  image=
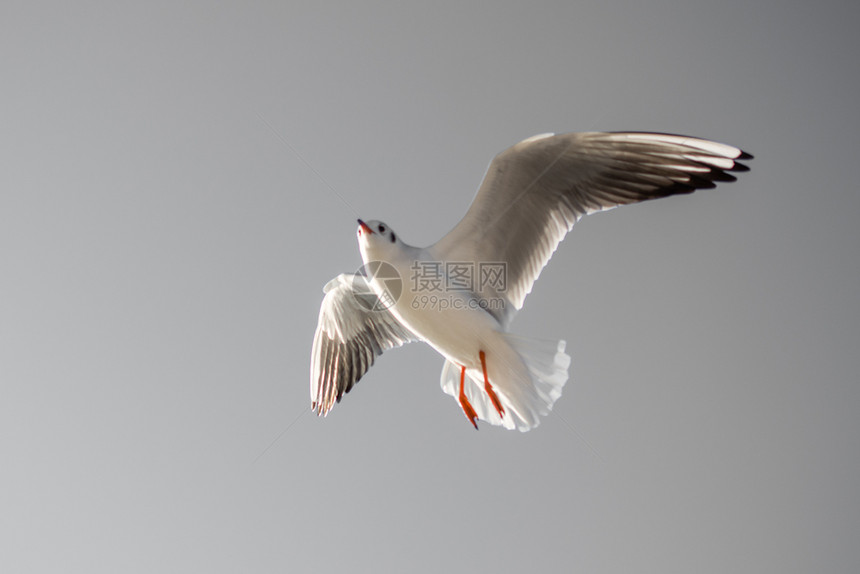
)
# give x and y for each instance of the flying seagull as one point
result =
(460, 294)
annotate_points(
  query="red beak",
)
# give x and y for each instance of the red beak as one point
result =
(364, 227)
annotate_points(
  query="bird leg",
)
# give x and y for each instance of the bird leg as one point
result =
(464, 402)
(489, 388)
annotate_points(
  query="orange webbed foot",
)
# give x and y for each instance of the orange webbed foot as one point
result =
(489, 388)
(467, 407)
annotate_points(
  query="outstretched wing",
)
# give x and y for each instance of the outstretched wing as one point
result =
(535, 191)
(353, 329)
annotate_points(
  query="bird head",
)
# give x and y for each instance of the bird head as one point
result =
(377, 241)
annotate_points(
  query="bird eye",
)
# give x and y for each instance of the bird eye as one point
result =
(381, 228)
(392, 237)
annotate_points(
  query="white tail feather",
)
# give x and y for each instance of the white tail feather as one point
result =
(547, 365)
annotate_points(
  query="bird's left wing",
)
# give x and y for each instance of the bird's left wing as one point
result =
(353, 329)
(535, 191)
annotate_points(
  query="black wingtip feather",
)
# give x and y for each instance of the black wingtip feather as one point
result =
(720, 175)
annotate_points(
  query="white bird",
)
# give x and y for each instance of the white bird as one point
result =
(460, 294)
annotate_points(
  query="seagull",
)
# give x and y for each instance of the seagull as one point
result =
(460, 294)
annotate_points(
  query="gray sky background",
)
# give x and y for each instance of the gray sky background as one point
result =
(163, 256)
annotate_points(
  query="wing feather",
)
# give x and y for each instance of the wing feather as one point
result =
(351, 332)
(534, 192)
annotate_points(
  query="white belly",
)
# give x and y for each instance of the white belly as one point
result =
(452, 323)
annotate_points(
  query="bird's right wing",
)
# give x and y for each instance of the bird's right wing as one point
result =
(353, 329)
